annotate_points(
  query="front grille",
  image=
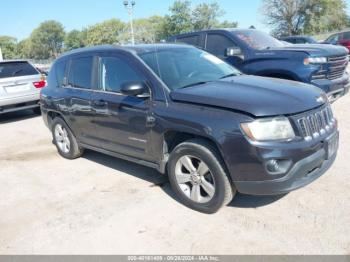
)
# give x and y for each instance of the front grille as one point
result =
(337, 66)
(315, 123)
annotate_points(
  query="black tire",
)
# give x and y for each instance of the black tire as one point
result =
(203, 150)
(74, 151)
(37, 110)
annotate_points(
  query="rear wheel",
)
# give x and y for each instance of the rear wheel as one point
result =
(66, 143)
(197, 175)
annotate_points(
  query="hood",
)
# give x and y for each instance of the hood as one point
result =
(314, 49)
(258, 96)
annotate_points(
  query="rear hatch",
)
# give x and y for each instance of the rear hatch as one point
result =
(18, 79)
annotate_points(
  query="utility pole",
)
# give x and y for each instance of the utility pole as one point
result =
(130, 8)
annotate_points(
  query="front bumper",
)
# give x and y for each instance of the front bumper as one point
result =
(334, 88)
(303, 173)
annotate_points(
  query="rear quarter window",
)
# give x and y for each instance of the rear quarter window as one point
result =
(60, 71)
(15, 69)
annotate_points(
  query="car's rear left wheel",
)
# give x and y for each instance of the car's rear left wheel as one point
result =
(65, 141)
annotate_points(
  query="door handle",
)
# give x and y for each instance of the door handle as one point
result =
(99, 103)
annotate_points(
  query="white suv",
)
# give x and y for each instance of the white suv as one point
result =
(20, 84)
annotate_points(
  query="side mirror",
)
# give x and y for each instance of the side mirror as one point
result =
(138, 89)
(233, 51)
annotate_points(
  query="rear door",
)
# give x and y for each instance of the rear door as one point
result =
(80, 82)
(193, 39)
(18, 79)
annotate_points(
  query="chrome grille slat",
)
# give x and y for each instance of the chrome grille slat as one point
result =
(315, 123)
(337, 66)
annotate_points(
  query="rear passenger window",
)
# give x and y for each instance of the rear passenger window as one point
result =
(15, 69)
(60, 70)
(191, 40)
(217, 44)
(80, 72)
(114, 72)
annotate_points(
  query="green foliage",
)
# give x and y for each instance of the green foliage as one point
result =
(292, 17)
(74, 39)
(183, 18)
(46, 41)
(179, 20)
(107, 32)
(205, 16)
(8, 47)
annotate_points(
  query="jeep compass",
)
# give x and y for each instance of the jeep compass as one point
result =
(213, 130)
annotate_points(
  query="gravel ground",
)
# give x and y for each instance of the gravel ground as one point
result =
(101, 205)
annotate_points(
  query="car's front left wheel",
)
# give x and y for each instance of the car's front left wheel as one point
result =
(65, 141)
(197, 175)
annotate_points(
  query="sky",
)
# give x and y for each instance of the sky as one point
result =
(19, 17)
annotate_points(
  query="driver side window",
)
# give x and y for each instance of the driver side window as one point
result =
(113, 72)
(218, 44)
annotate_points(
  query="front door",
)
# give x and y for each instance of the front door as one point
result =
(121, 121)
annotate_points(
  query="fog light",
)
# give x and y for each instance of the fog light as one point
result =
(277, 167)
(272, 166)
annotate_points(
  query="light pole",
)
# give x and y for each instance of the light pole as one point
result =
(130, 8)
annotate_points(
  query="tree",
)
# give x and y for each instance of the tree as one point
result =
(205, 16)
(8, 47)
(325, 16)
(46, 41)
(146, 30)
(107, 32)
(291, 17)
(74, 39)
(179, 20)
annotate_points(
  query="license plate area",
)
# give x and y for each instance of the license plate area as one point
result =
(332, 144)
(17, 89)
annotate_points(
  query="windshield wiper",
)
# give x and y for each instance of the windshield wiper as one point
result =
(195, 84)
(229, 75)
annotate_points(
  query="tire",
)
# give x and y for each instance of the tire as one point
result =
(64, 140)
(37, 110)
(192, 187)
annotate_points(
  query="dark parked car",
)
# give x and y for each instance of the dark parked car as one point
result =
(299, 39)
(342, 38)
(187, 113)
(257, 53)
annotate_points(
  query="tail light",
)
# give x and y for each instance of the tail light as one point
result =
(40, 84)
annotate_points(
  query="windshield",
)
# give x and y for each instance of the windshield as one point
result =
(184, 67)
(257, 39)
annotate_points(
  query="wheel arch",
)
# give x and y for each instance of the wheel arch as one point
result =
(172, 138)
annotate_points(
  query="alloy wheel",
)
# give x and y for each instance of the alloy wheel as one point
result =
(195, 179)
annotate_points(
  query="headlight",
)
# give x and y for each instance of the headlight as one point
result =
(315, 60)
(278, 128)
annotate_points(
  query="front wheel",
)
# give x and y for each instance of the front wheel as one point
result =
(197, 175)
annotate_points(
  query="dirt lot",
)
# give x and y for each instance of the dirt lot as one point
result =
(101, 205)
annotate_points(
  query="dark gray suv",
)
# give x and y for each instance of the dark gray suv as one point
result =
(185, 112)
